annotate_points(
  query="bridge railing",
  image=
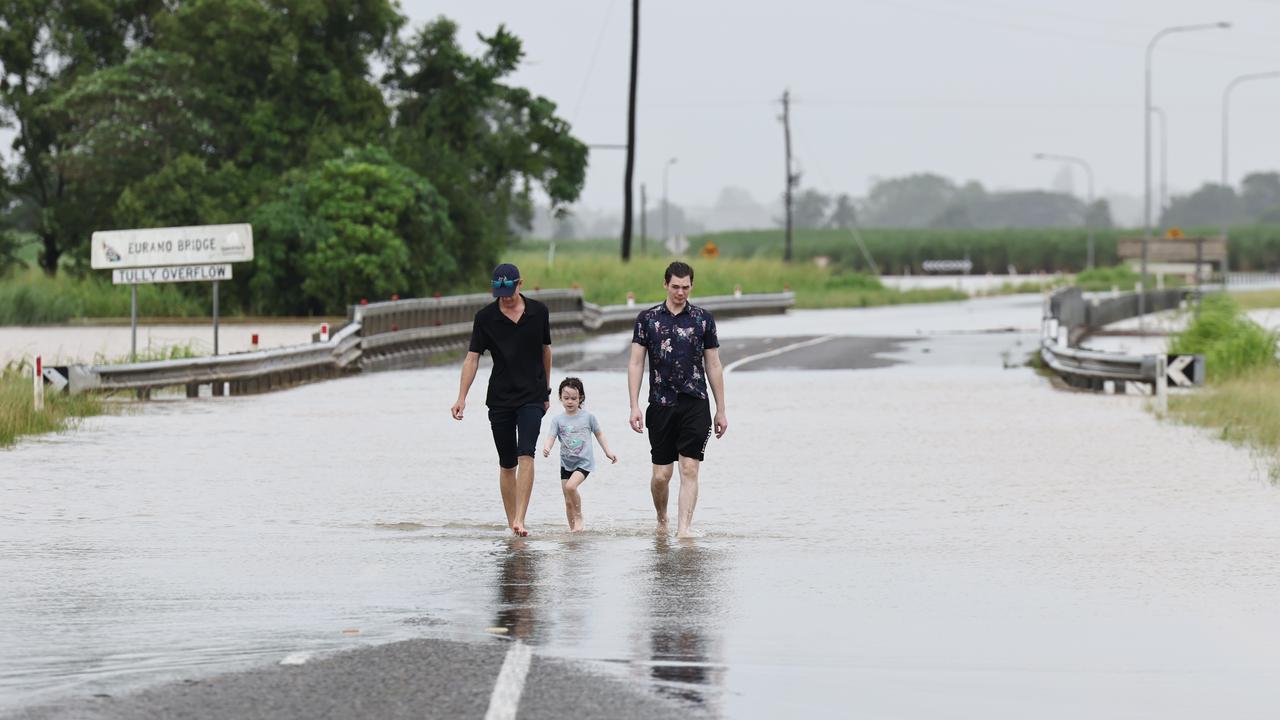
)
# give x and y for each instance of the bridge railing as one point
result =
(378, 336)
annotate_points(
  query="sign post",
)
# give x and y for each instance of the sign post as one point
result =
(201, 253)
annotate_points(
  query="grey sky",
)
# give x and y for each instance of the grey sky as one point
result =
(883, 88)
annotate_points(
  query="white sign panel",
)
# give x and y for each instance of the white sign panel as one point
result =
(176, 273)
(154, 247)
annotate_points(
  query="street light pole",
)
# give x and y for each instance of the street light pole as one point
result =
(1164, 161)
(666, 205)
(1146, 145)
(1226, 128)
(1088, 173)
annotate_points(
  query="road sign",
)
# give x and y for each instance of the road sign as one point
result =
(57, 377)
(677, 244)
(173, 273)
(939, 266)
(155, 247)
(1185, 370)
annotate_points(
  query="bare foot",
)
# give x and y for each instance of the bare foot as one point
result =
(684, 534)
(662, 526)
(518, 529)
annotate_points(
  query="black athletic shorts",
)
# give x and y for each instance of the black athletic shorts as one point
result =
(515, 431)
(566, 474)
(680, 429)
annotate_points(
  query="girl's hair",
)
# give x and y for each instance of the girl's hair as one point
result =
(576, 384)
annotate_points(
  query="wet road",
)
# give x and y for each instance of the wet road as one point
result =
(936, 536)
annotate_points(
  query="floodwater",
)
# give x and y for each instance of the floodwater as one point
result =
(944, 537)
(67, 344)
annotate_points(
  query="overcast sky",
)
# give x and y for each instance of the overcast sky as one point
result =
(969, 89)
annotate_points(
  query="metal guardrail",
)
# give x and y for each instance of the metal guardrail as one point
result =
(380, 336)
(1069, 317)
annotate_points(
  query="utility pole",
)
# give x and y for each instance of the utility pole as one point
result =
(644, 210)
(791, 178)
(631, 131)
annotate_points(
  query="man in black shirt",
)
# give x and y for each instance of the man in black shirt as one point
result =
(517, 332)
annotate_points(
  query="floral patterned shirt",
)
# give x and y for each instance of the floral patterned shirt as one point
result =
(676, 344)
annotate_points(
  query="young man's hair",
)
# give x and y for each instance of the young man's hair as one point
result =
(576, 384)
(678, 269)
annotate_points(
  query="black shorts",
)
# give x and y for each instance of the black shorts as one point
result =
(566, 474)
(515, 432)
(682, 429)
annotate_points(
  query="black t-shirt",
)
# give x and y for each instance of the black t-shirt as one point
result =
(519, 377)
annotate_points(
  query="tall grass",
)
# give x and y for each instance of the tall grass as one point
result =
(32, 298)
(605, 280)
(18, 416)
(1231, 343)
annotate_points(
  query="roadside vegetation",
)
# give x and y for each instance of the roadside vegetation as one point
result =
(19, 417)
(1241, 399)
(33, 298)
(606, 281)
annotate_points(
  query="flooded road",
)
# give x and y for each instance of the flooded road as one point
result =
(937, 536)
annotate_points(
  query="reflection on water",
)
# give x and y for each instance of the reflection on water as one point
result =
(518, 604)
(683, 590)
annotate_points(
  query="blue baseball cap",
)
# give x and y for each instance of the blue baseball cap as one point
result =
(505, 278)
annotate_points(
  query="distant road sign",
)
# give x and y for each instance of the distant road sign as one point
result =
(947, 265)
(677, 244)
(155, 247)
(173, 273)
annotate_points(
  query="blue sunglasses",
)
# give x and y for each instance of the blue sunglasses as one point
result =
(505, 283)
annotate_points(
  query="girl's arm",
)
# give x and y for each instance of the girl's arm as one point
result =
(604, 445)
(551, 441)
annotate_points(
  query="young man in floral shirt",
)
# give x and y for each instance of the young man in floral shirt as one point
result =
(680, 341)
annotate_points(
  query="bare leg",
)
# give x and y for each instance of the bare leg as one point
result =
(659, 487)
(507, 483)
(688, 495)
(524, 489)
(568, 501)
(573, 501)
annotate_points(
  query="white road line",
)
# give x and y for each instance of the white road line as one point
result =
(506, 692)
(298, 658)
(776, 351)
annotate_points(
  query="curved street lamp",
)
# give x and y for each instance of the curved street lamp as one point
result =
(1088, 172)
(1226, 127)
(1146, 143)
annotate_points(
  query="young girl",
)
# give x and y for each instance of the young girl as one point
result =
(574, 430)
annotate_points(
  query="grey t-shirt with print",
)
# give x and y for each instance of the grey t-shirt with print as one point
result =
(574, 433)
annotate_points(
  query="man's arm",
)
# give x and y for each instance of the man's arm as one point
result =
(715, 376)
(470, 365)
(635, 372)
(546, 363)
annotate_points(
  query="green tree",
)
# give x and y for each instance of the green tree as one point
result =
(912, 201)
(358, 226)
(1260, 192)
(1211, 204)
(845, 215)
(44, 48)
(485, 145)
(810, 209)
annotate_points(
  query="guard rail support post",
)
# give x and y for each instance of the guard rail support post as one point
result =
(1162, 384)
(37, 383)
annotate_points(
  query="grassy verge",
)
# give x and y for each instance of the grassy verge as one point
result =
(18, 416)
(31, 298)
(1242, 400)
(1258, 299)
(606, 281)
